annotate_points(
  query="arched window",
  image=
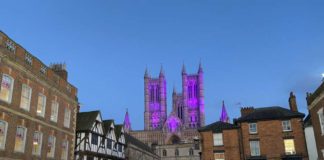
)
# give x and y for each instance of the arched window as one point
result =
(164, 153)
(191, 151)
(152, 93)
(176, 152)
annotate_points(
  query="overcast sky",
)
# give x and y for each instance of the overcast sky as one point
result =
(253, 52)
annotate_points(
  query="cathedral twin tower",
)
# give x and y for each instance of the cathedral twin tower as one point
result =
(187, 107)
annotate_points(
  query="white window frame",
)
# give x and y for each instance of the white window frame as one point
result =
(54, 111)
(24, 142)
(43, 107)
(28, 58)
(251, 127)
(218, 139)
(10, 88)
(65, 157)
(255, 151)
(67, 117)
(51, 154)
(3, 146)
(39, 143)
(321, 119)
(220, 153)
(286, 125)
(292, 152)
(323, 153)
(28, 89)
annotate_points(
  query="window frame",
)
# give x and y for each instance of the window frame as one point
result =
(250, 128)
(320, 114)
(94, 140)
(219, 153)
(67, 120)
(10, 88)
(258, 148)
(164, 153)
(3, 146)
(294, 147)
(24, 139)
(176, 152)
(218, 139)
(50, 154)
(288, 125)
(53, 117)
(42, 113)
(30, 91)
(39, 151)
(65, 156)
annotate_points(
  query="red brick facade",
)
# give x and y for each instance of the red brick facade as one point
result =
(13, 63)
(316, 108)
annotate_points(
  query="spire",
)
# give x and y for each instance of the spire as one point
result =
(127, 124)
(174, 90)
(224, 117)
(146, 73)
(200, 69)
(161, 71)
(184, 69)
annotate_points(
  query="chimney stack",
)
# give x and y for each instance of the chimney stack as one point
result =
(292, 102)
(60, 70)
(246, 110)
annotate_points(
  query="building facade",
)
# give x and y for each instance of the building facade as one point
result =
(315, 103)
(268, 133)
(97, 139)
(37, 106)
(310, 138)
(179, 128)
(135, 150)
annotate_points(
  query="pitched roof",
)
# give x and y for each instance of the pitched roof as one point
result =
(106, 124)
(270, 113)
(118, 129)
(217, 127)
(132, 140)
(85, 120)
(312, 96)
(308, 121)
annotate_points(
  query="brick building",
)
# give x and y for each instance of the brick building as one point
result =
(315, 103)
(260, 133)
(37, 106)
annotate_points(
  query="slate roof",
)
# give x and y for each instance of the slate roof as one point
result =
(85, 120)
(132, 140)
(270, 113)
(217, 127)
(107, 124)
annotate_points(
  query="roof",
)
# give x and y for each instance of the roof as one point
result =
(270, 113)
(118, 129)
(106, 124)
(312, 96)
(85, 120)
(308, 121)
(132, 140)
(217, 127)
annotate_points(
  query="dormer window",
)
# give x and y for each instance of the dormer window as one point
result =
(10, 46)
(43, 69)
(28, 59)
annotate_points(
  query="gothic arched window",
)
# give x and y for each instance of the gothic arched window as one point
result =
(176, 152)
(164, 153)
(191, 151)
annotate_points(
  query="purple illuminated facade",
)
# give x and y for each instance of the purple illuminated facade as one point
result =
(155, 113)
(188, 106)
(224, 117)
